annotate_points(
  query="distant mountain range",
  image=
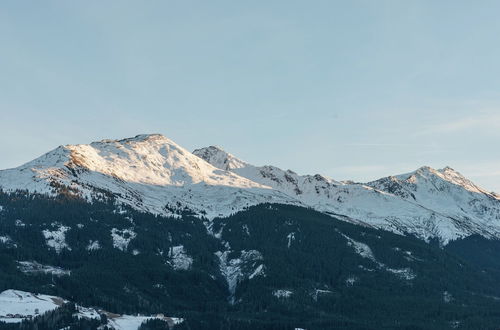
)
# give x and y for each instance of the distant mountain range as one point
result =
(151, 173)
(142, 226)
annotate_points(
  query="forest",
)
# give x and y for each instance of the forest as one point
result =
(338, 275)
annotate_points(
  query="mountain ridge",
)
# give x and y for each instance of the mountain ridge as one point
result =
(384, 203)
(148, 172)
(153, 174)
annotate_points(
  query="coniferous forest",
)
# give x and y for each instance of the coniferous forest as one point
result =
(268, 267)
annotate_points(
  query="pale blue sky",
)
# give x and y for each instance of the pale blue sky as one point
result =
(350, 89)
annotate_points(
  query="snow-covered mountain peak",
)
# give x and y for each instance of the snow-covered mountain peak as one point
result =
(147, 159)
(424, 172)
(426, 202)
(139, 138)
(457, 178)
(219, 158)
(438, 178)
(427, 171)
(149, 172)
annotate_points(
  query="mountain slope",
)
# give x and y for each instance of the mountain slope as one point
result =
(270, 266)
(136, 241)
(469, 208)
(148, 172)
(153, 174)
(428, 203)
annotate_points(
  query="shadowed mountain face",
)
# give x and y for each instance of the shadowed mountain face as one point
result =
(153, 174)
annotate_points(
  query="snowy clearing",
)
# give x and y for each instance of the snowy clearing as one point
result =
(56, 239)
(179, 259)
(122, 238)
(33, 267)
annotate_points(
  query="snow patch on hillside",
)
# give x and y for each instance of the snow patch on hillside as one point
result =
(259, 271)
(282, 294)
(179, 259)
(447, 297)
(366, 252)
(56, 239)
(33, 267)
(246, 230)
(290, 237)
(402, 273)
(362, 249)
(320, 292)
(93, 245)
(122, 237)
(6, 240)
(247, 266)
(351, 280)
(20, 223)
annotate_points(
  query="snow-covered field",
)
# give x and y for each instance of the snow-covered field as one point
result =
(33, 267)
(130, 322)
(16, 305)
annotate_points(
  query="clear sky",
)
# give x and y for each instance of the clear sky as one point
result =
(350, 89)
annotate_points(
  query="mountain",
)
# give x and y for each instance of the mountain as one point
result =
(427, 203)
(153, 174)
(142, 226)
(149, 172)
(468, 208)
